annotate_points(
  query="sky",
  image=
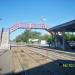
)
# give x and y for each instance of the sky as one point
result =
(31, 11)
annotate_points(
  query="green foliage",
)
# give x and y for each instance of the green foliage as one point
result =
(44, 37)
(50, 39)
(69, 37)
(26, 35)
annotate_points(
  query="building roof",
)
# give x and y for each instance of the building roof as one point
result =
(66, 27)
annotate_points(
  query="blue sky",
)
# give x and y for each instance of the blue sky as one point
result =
(31, 11)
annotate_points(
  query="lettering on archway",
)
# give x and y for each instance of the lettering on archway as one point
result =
(27, 26)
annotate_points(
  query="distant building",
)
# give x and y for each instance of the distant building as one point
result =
(34, 40)
(43, 42)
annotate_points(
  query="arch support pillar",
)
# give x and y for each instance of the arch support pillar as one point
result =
(5, 40)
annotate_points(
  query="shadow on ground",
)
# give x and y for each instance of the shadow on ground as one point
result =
(58, 67)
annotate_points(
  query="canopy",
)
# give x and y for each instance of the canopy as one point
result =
(65, 27)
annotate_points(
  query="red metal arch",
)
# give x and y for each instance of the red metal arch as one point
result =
(28, 26)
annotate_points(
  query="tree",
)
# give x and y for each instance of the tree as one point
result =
(26, 35)
(69, 37)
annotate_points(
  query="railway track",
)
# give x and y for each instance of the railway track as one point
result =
(36, 61)
(57, 54)
(44, 55)
(39, 57)
(30, 57)
(24, 72)
(19, 65)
